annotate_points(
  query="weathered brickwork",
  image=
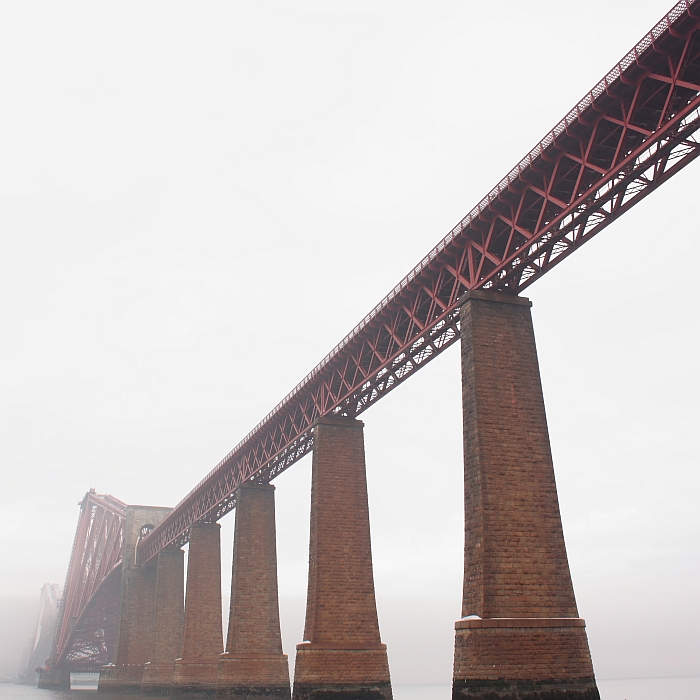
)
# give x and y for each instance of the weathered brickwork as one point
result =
(254, 665)
(137, 608)
(168, 624)
(202, 643)
(515, 563)
(342, 656)
(324, 672)
(509, 651)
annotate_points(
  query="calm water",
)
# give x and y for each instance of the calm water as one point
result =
(628, 689)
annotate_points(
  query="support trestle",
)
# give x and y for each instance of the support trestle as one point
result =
(342, 655)
(137, 607)
(520, 636)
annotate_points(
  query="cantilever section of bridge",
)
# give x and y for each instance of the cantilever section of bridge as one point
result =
(630, 133)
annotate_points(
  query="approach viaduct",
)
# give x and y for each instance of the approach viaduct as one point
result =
(520, 634)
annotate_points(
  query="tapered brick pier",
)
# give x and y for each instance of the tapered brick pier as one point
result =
(342, 656)
(137, 607)
(168, 622)
(253, 665)
(202, 644)
(520, 636)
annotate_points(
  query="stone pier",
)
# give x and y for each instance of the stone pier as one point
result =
(55, 680)
(202, 644)
(137, 607)
(253, 665)
(168, 622)
(520, 636)
(342, 655)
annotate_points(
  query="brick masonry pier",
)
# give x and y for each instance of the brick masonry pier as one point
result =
(202, 644)
(520, 636)
(253, 665)
(342, 656)
(168, 622)
(137, 607)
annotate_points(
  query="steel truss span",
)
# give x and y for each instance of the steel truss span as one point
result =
(86, 630)
(633, 131)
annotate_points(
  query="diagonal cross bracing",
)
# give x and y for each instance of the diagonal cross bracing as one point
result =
(633, 131)
(98, 550)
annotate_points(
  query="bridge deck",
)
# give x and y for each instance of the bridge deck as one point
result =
(629, 134)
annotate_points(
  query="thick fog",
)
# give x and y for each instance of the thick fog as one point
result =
(197, 201)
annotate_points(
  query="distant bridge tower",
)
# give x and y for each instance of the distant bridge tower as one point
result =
(85, 634)
(38, 647)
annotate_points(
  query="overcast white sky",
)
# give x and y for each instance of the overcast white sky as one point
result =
(197, 201)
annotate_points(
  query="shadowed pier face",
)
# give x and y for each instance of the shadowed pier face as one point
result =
(137, 607)
(253, 665)
(202, 644)
(520, 635)
(342, 655)
(55, 680)
(168, 622)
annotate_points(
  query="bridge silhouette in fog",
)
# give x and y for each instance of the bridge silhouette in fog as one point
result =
(125, 611)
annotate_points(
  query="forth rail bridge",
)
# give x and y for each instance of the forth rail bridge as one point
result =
(125, 610)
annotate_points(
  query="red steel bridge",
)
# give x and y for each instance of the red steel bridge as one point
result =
(630, 133)
(86, 629)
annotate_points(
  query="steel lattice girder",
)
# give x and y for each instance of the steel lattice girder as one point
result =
(92, 641)
(627, 136)
(98, 550)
